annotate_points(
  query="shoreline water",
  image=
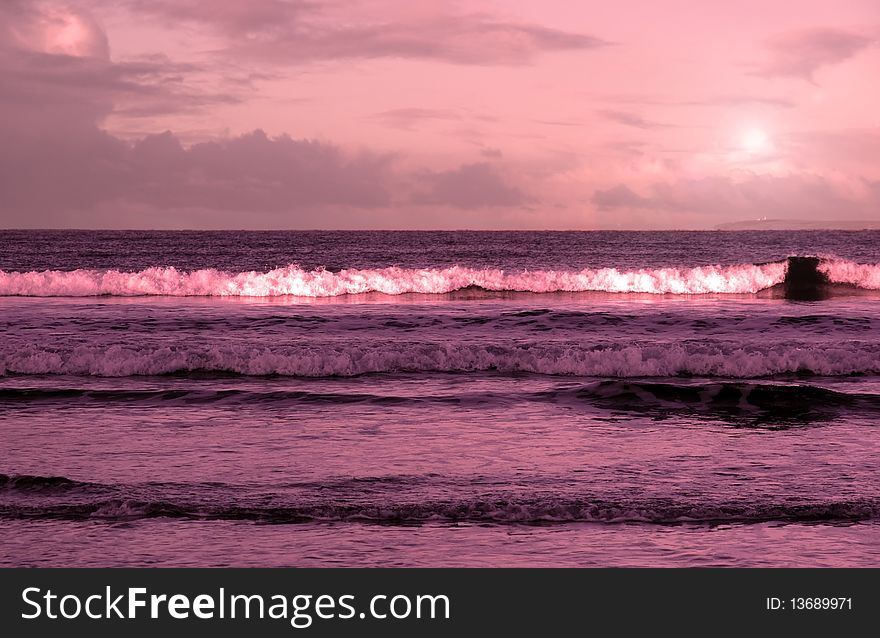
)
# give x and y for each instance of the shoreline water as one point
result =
(471, 427)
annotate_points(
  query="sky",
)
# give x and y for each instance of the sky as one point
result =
(521, 114)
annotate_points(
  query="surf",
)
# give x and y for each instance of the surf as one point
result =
(796, 277)
(706, 358)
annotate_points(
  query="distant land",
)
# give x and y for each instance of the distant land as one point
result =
(800, 224)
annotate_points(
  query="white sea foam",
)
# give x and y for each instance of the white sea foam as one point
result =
(705, 358)
(293, 280)
(847, 272)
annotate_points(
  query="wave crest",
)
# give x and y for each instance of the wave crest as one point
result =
(293, 280)
(840, 271)
(686, 358)
(35, 483)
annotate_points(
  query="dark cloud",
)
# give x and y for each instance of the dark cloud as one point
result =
(254, 171)
(43, 85)
(800, 54)
(297, 32)
(24, 23)
(620, 196)
(470, 186)
(58, 167)
(458, 40)
(235, 18)
(95, 87)
(251, 172)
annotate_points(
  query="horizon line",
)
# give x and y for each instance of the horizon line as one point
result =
(874, 227)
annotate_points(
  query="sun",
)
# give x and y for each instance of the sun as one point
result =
(755, 140)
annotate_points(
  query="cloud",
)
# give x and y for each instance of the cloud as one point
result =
(251, 172)
(47, 28)
(298, 32)
(721, 198)
(469, 186)
(408, 118)
(739, 100)
(97, 87)
(730, 99)
(558, 123)
(235, 18)
(629, 119)
(58, 167)
(45, 84)
(857, 149)
(254, 171)
(459, 40)
(800, 54)
(620, 196)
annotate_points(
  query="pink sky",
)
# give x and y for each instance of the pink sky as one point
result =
(402, 114)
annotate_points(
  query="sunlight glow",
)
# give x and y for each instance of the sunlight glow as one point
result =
(755, 140)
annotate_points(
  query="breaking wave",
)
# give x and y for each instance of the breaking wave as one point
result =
(293, 280)
(334, 359)
(840, 271)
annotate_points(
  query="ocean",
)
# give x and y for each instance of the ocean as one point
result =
(439, 398)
